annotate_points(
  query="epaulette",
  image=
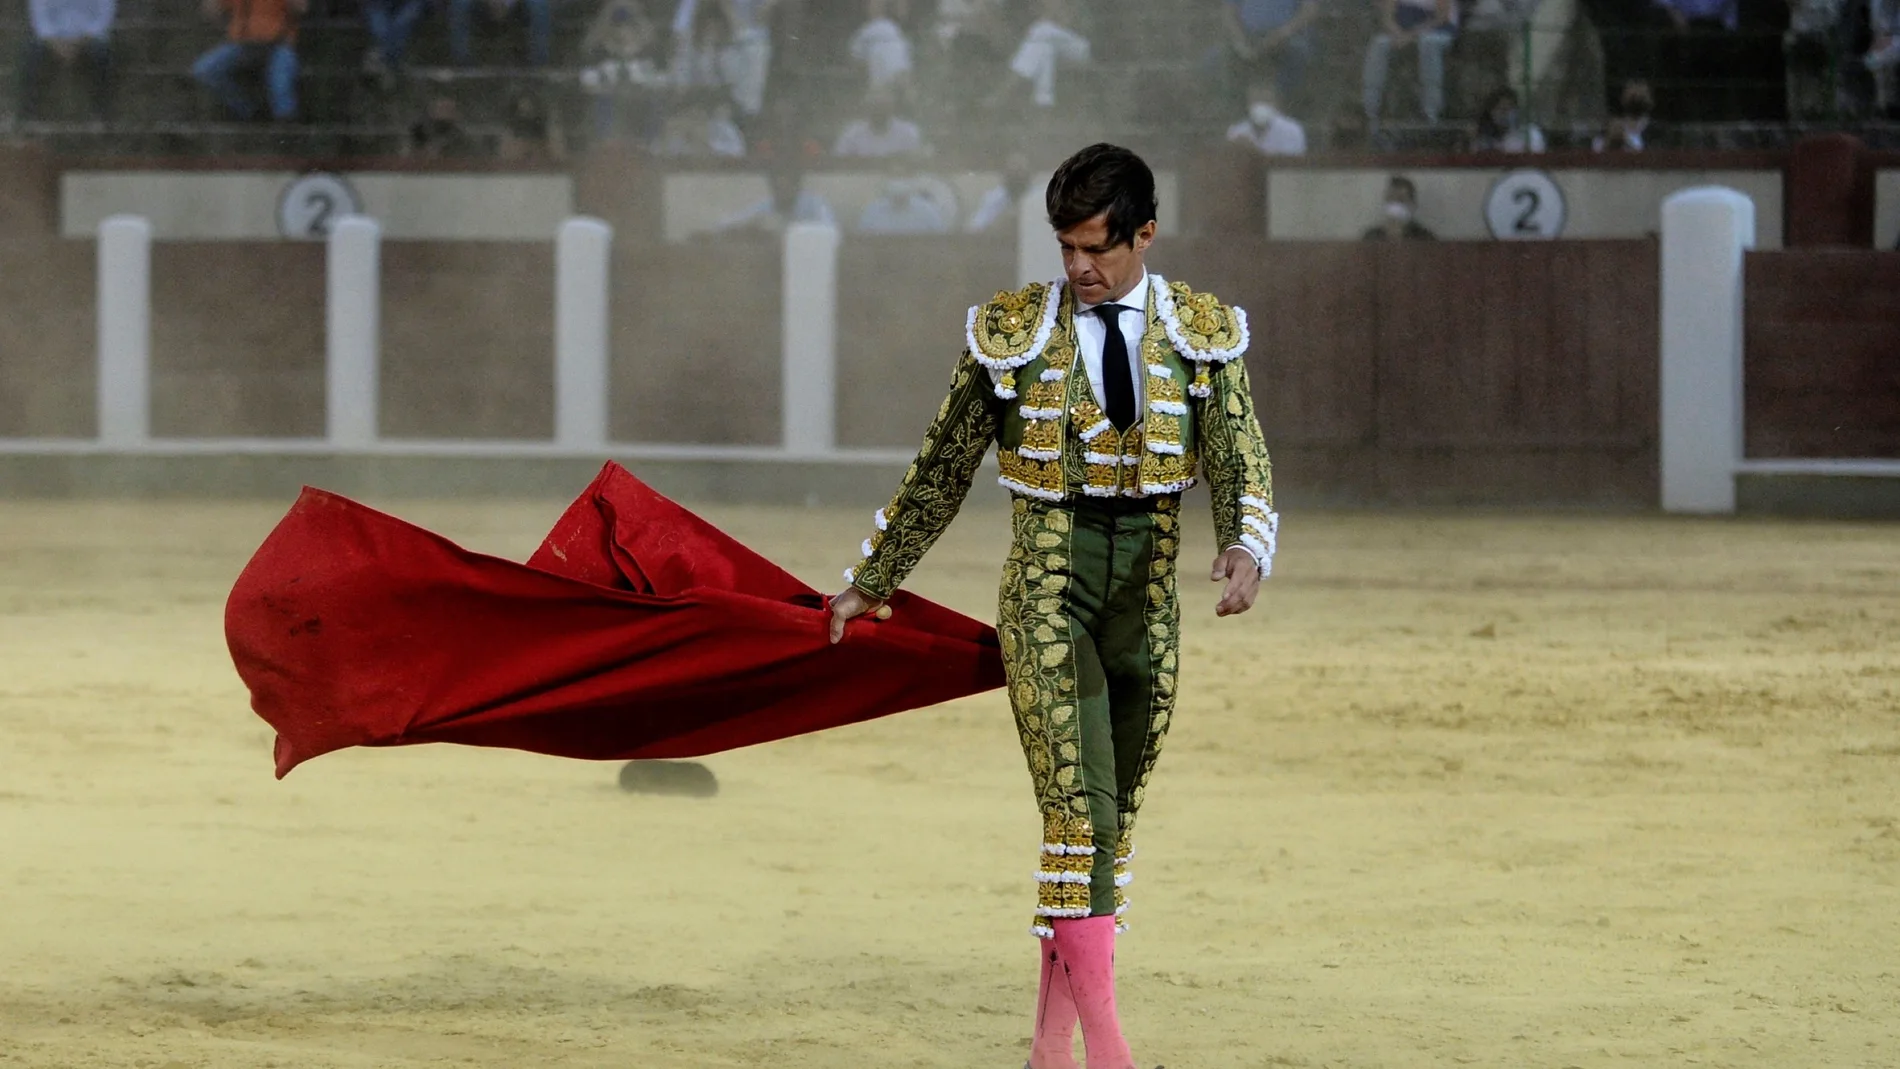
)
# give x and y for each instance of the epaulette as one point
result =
(1202, 329)
(1011, 328)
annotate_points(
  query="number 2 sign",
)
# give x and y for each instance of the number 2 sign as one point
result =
(1525, 205)
(312, 203)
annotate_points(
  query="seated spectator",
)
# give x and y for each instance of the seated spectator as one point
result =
(1268, 39)
(624, 72)
(391, 24)
(1429, 24)
(539, 14)
(788, 202)
(706, 55)
(996, 208)
(1628, 128)
(910, 204)
(1883, 19)
(880, 132)
(1490, 36)
(1049, 42)
(261, 39)
(1266, 127)
(1501, 129)
(883, 49)
(701, 125)
(749, 59)
(1816, 35)
(439, 133)
(75, 32)
(532, 135)
(1397, 215)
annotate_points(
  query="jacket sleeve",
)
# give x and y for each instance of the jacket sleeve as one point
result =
(1239, 474)
(935, 486)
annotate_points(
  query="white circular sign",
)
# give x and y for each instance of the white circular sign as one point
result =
(1525, 205)
(312, 203)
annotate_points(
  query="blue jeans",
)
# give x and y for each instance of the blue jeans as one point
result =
(540, 30)
(217, 71)
(391, 23)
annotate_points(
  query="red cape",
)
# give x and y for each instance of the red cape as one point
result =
(637, 630)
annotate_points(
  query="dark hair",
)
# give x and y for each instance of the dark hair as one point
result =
(1399, 181)
(1488, 127)
(1103, 178)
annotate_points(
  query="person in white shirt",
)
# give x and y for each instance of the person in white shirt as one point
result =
(77, 33)
(880, 132)
(1266, 127)
(701, 126)
(1429, 24)
(1049, 42)
(910, 204)
(882, 48)
(997, 208)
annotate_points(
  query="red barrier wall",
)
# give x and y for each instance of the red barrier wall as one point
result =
(1822, 344)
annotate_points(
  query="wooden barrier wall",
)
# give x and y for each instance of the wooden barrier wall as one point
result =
(1448, 373)
(1822, 344)
(901, 309)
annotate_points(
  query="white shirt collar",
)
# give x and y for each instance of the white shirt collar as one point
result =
(1136, 298)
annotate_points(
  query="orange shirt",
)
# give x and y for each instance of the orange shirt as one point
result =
(261, 21)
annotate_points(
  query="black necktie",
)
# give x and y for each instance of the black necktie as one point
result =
(1118, 382)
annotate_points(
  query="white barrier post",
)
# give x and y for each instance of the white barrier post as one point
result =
(1705, 232)
(125, 331)
(810, 338)
(1038, 257)
(354, 328)
(582, 255)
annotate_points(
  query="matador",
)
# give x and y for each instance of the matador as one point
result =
(1105, 392)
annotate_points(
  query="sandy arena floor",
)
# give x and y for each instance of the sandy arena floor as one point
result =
(1473, 790)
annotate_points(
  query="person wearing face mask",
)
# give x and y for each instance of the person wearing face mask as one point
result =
(1266, 127)
(1627, 130)
(1105, 392)
(1500, 129)
(1398, 214)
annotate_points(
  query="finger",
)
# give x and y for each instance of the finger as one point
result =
(883, 612)
(1220, 569)
(837, 627)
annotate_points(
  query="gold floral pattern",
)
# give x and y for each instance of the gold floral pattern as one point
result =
(1236, 462)
(936, 484)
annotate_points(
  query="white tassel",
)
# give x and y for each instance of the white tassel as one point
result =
(1198, 390)
(1059, 850)
(1164, 308)
(1102, 458)
(1100, 491)
(882, 521)
(866, 547)
(1015, 487)
(1052, 374)
(1042, 931)
(1177, 487)
(1249, 499)
(1038, 454)
(1052, 301)
(1005, 392)
(1168, 408)
(1124, 879)
(850, 575)
(1130, 462)
(1172, 448)
(1040, 413)
(1161, 371)
(1261, 555)
(1095, 429)
(1062, 877)
(1059, 911)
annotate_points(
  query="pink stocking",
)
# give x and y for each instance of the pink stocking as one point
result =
(1086, 947)
(1054, 1046)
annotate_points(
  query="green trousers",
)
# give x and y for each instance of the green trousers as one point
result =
(1090, 629)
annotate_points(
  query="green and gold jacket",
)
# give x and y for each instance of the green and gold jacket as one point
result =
(1020, 386)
